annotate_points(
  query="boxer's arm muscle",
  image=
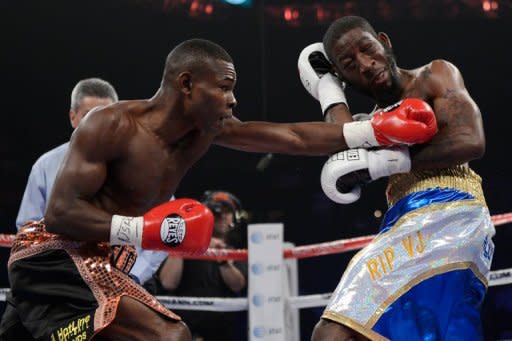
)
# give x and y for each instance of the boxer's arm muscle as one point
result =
(304, 138)
(461, 136)
(82, 174)
(338, 113)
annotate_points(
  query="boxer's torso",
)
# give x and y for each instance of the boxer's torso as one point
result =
(422, 84)
(426, 82)
(417, 86)
(150, 169)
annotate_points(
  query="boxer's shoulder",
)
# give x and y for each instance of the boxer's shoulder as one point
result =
(113, 123)
(438, 72)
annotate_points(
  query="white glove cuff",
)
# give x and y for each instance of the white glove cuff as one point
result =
(389, 161)
(359, 135)
(126, 230)
(330, 91)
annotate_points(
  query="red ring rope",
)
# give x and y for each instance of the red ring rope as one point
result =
(305, 251)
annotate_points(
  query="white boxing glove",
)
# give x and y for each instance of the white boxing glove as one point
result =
(314, 68)
(344, 172)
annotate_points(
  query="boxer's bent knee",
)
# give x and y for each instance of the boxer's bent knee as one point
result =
(180, 332)
(137, 321)
(326, 330)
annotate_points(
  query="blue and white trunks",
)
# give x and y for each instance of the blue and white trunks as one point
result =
(424, 276)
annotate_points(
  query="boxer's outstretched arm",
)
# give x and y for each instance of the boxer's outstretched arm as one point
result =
(81, 176)
(461, 136)
(410, 121)
(305, 138)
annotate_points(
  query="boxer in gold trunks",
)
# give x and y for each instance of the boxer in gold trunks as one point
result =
(424, 275)
(68, 273)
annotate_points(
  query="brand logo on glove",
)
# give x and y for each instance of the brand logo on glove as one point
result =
(173, 230)
(349, 155)
(306, 82)
(392, 106)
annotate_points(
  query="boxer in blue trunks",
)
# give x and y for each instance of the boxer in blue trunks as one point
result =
(424, 275)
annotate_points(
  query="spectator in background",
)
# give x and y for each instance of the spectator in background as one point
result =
(200, 278)
(87, 94)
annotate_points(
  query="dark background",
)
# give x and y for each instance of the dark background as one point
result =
(47, 46)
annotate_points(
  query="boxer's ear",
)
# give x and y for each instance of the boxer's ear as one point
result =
(185, 82)
(384, 39)
(73, 119)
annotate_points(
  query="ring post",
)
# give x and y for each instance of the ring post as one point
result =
(266, 303)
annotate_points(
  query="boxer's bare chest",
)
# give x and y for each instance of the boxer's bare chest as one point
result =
(151, 171)
(419, 86)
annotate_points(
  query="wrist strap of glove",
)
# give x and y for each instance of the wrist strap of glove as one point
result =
(388, 161)
(126, 230)
(330, 92)
(359, 134)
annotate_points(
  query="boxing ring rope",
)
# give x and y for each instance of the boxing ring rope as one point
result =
(498, 277)
(320, 249)
(503, 277)
(299, 252)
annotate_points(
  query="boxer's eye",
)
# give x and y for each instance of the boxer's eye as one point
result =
(348, 64)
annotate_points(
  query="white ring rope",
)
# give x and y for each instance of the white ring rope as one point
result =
(498, 277)
(204, 303)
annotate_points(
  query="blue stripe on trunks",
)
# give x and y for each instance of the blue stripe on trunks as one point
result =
(420, 199)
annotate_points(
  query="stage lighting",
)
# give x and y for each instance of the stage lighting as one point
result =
(239, 2)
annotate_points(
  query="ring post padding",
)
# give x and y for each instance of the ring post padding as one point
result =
(265, 294)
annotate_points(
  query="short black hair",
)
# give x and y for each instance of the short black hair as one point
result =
(341, 26)
(92, 87)
(194, 53)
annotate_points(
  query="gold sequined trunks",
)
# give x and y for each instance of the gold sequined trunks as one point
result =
(67, 290)
(460, 177)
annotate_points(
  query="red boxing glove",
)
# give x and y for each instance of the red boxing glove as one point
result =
(409, 121)
(183, 226)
